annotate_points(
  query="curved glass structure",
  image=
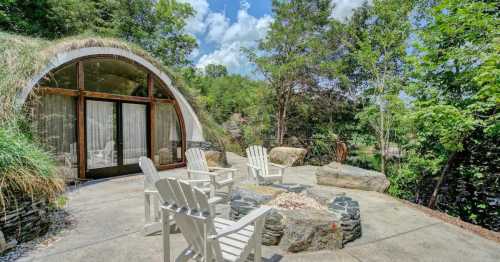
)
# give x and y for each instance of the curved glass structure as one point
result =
(98, 115)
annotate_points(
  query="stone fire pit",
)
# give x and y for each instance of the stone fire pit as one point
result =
(298, 222)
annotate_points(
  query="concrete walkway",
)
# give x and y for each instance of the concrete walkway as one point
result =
(109, 217)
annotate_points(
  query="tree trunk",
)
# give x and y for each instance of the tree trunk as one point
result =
(281, 124)
(382, 137)
(444, 171)
(281, 115)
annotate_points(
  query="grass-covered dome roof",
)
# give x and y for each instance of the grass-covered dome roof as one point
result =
(22, 58)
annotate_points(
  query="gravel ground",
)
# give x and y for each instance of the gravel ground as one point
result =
(60, 219)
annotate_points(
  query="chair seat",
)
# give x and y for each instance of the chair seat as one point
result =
(234, 244)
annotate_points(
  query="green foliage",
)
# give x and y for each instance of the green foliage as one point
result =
(454, 77)
(25, 169)
(404, 183)
(224, 96)
(156, 26)
(215, 71)
(289, 60)
(441, 128)
(322, 148)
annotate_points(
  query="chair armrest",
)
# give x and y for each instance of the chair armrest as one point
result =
(200, 172)
(193, 181)
(222, 169)
(214, 200)
(276, 165)
(243, 222)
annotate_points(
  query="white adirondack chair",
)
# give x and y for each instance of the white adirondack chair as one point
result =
(152, 223)
(197, 165)
(258, 166)
(209, 238)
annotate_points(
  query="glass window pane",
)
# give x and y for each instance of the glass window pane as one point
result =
(115, 76)
(134, 132)
(160, 90)
(54, 120)
(101, 134)
(64, 77)
(168, 145)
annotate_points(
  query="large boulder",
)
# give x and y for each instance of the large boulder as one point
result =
(233, 126)
(214, 158)
(339, 175)
(289, 156)
(310, 230)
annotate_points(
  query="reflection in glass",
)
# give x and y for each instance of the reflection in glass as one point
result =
(101, 134)
(160, 90)
(64, 77)
(54, 120)
(134, 132)
(168, 145)
(115, 76)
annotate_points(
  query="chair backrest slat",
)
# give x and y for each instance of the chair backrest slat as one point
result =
(191, 228)
(191, 214)
(179, 197)
(189, 195)
(257, 156)
(196, 160)
(150, 173)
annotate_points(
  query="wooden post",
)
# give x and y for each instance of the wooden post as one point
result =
(152, 120)
(81, 122)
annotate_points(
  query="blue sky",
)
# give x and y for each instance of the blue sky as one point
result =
(223, 27)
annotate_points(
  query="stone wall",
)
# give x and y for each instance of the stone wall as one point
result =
(293, 230)
(25, 221)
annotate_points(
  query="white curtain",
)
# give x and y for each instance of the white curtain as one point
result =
(134, 132)
(54, 120)
(168, 137)
(101, 134)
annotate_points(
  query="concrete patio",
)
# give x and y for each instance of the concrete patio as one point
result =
(109, 217)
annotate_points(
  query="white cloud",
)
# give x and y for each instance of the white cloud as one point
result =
(343, 9)
(217, 25)
(247, 29)
(230, 56)
(196, 24)
(229, 39)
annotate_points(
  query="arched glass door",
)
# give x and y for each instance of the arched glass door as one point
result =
(117, 111)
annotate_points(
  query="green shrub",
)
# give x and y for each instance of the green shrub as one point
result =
(25, 169)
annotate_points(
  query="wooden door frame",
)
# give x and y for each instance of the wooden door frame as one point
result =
(81, 95)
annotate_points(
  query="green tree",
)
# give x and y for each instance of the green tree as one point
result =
(157, 26)
(377, 51)
(47, 18)
(455, 80)
(214, 71)
(289, 59)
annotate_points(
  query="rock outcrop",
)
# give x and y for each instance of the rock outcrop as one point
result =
(347, 211)
(310, 230)
(28, 220)
(289, 156)
(214, 158)
(339, 175)
(293, 230)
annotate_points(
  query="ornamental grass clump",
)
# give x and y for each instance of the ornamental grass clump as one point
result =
(26, 171)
